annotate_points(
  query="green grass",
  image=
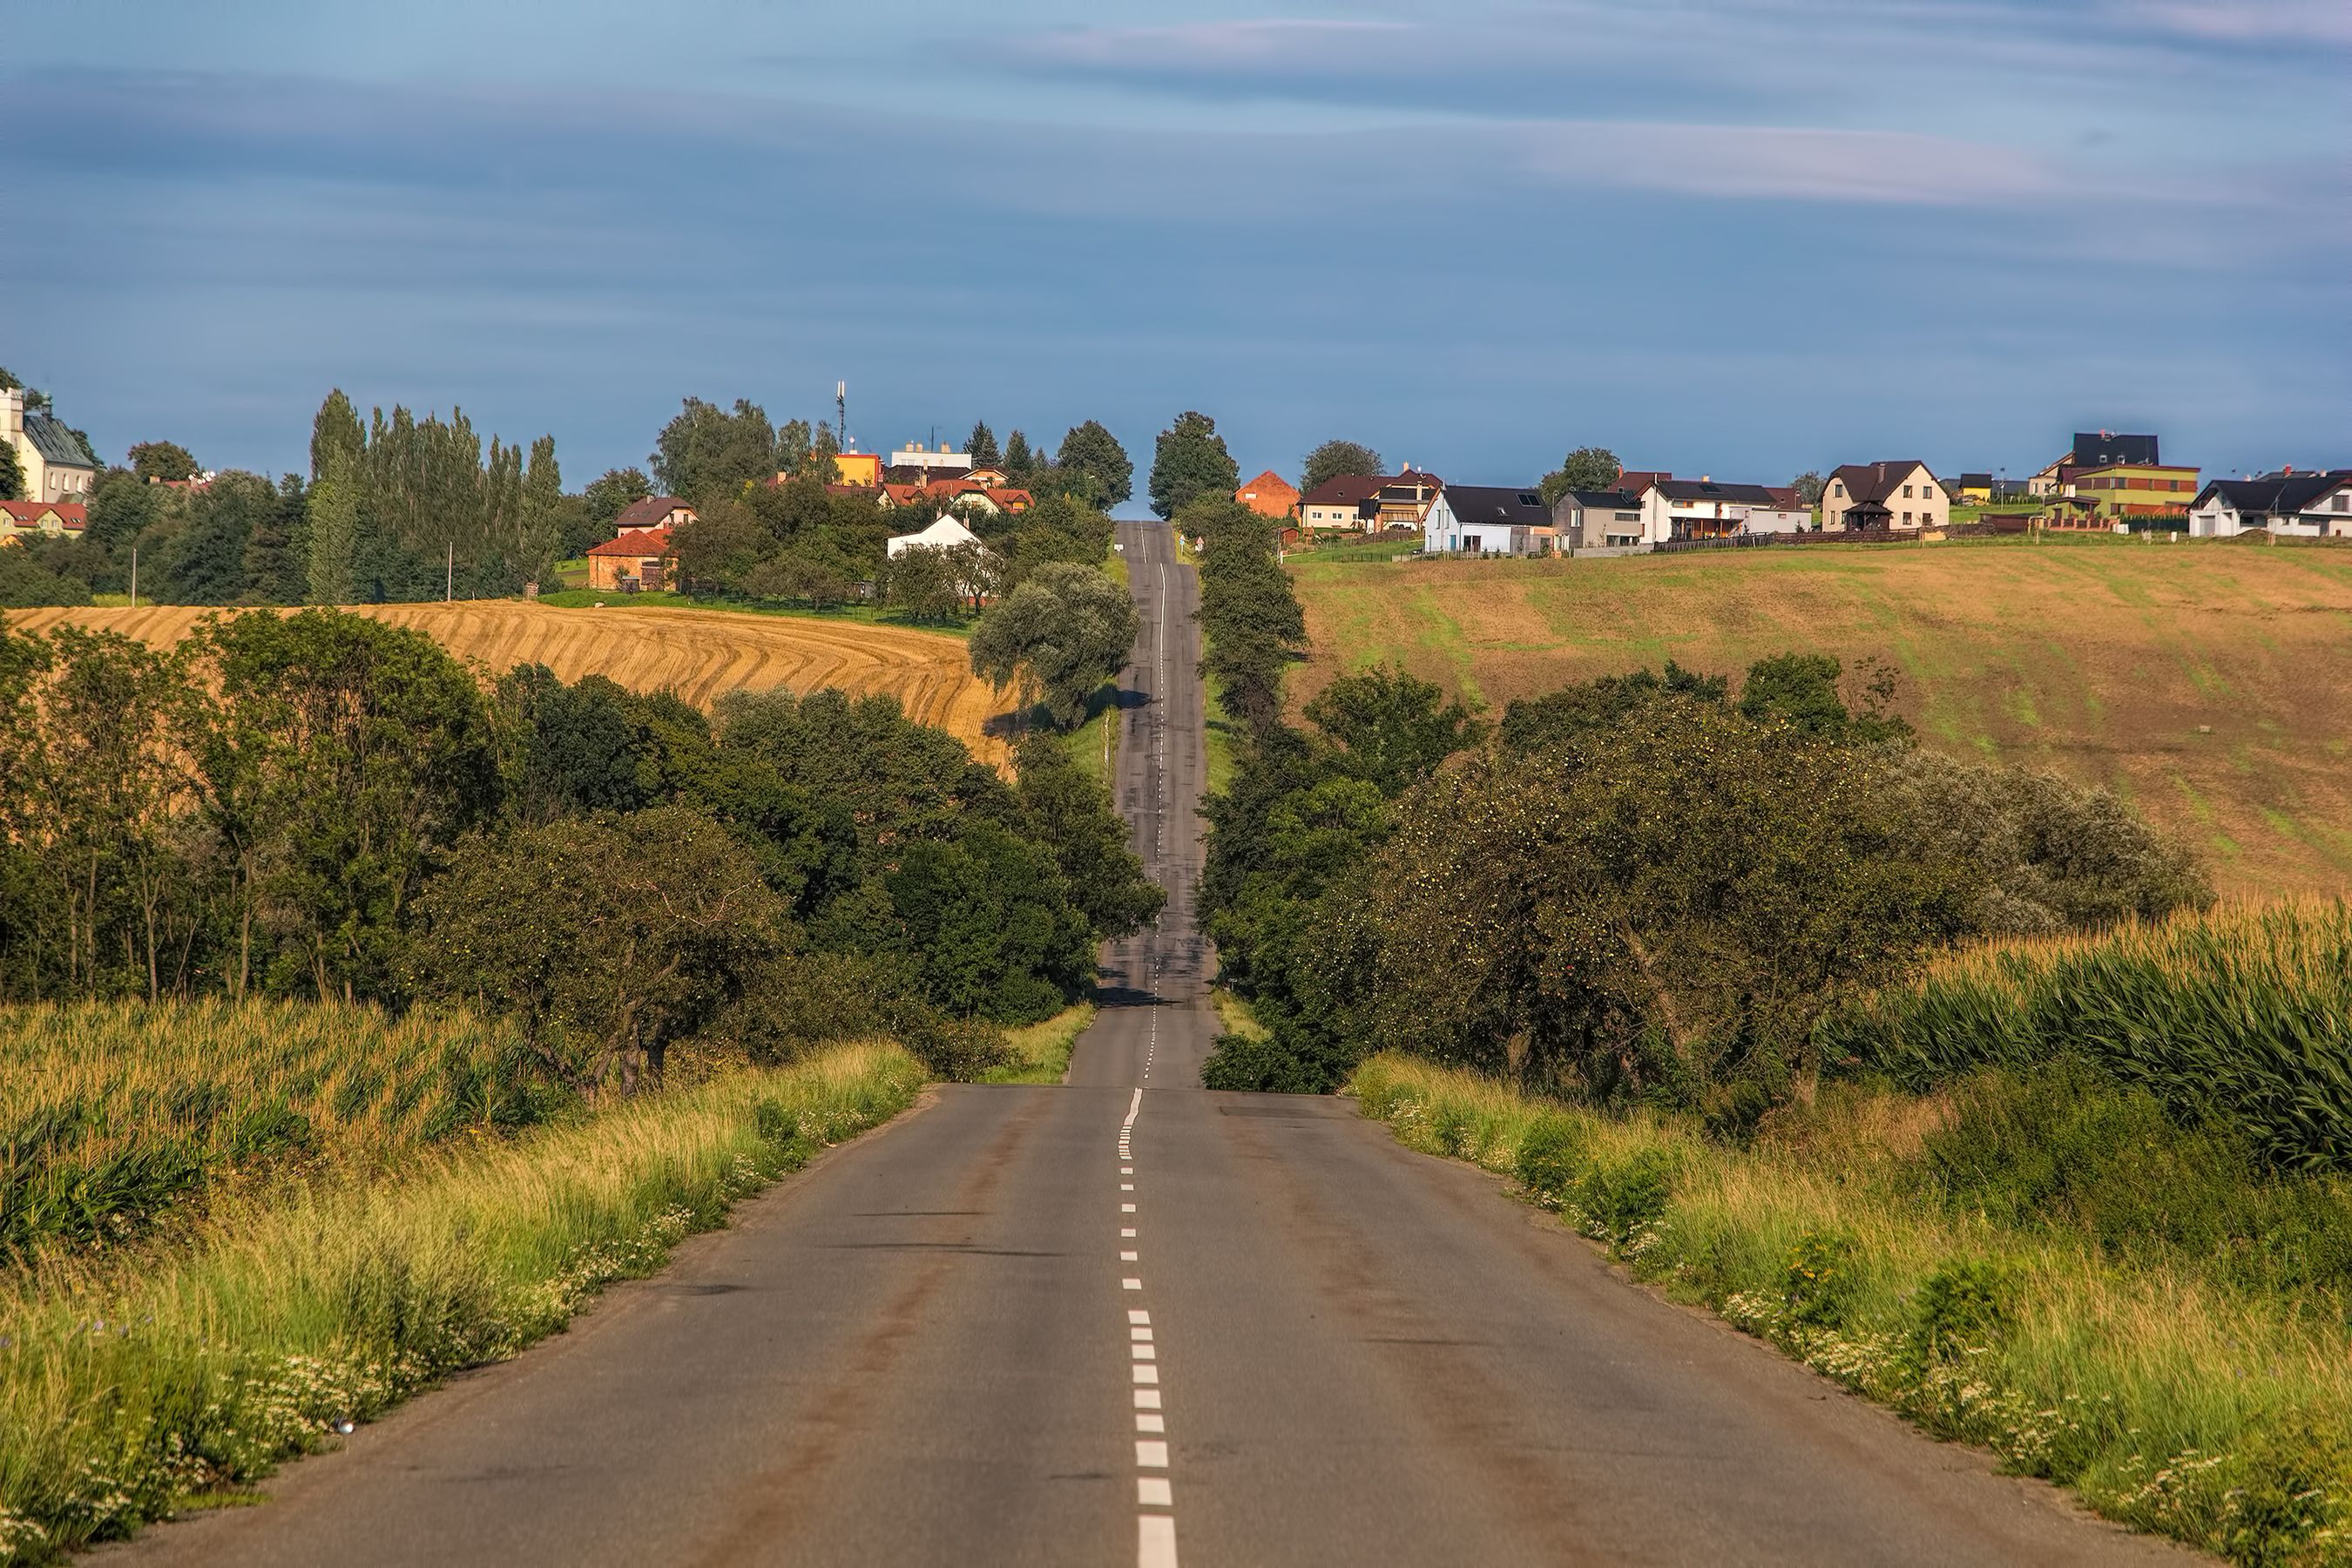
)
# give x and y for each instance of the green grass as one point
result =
(129, 1383)
(868, 614)
(1040, 1053)
(1234, 1017)
(2169, 1401)
(112, 1115)
(2239, 1018)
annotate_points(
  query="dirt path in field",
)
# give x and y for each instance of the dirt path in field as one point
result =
(700, 654)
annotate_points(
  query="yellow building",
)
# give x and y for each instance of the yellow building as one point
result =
(862, 468)
(2132, 489)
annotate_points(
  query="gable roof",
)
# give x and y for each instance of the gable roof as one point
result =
(29, 513)
(1344, 489)
(1269, 480)
(1712, 489)
(2274, 494)
(1633, 481)
(645, 544)
(1603, 500)
(1497, 504)
(944, 532)
(1876, 481)
(56, 441)
(646, 513)
(2105, 448)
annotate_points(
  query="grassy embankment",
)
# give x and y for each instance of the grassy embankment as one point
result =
(2110, 1240)
(2207, 682)
(1040, 1053)
(309, 1214)
(841, 614)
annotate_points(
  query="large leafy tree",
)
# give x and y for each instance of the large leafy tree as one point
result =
(1586, 468)
(330, 566)
(609, 937)
(1334, 459)
(163, 460)
(1057, 637)
(341, 760)
(1252, 624)
(1069, 811)
(1093, 451)
(611, 490)
(706, 454)
(1189, 462)
(12, 474)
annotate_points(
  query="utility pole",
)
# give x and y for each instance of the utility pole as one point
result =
(449, 575)
(134, 576)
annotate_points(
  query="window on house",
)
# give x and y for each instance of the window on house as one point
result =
(2342, 504)
(1907, 517)
(1906, 492)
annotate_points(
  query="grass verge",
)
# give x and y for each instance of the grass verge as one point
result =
(1040, 1053)
(131, 1385)
(2168, 1403)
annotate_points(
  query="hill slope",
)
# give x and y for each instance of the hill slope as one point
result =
(699, 653)
(2211, 684)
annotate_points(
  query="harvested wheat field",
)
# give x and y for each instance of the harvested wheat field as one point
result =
(700, 654)
(2211, 683)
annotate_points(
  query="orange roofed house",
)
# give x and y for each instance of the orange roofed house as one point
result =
(641, 556)
(42, 520)
(1269, 495)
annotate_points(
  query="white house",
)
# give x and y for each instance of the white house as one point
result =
(944, 535)
(1482, 520)
(1700, 508)
(2311, 505)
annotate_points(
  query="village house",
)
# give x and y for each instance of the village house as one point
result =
(1269, 495)
(1899, 494)
(2309, 505)
(664, 512)
(56, 466)
(862, 469)
(2120, 491)
(1403, 500)
(1676, 510)
(1345, 503)
(1597, 519)
(958, 495)
(1482, 520)
(915, 464)
(2093, 449)
(22, 520)
(639, 560)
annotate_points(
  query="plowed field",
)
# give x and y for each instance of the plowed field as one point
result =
(701, 654)
(2210, 683)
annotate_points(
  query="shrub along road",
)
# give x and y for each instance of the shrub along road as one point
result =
(1125, 1318)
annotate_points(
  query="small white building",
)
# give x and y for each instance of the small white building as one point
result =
(944, 535)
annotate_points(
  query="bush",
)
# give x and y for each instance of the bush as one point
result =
(1550, 1158)
(1621, 1199)
(1961, 1305)
(1817, 1280)
(1260, 1064)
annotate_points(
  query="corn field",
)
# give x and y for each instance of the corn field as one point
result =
(2239, 1018)
(112, 1113)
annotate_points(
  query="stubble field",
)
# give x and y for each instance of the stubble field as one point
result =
(2211, 684)
(700, 654)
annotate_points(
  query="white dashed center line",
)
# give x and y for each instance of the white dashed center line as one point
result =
(1155, 1532)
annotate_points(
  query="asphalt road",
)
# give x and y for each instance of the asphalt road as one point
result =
(1126, 1320)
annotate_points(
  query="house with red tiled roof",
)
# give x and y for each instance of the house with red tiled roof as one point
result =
(953, 494)
(640, 559)
(1269, 495)
(36, 519)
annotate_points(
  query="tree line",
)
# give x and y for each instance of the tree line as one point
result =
(1648, 887)
(318, 804)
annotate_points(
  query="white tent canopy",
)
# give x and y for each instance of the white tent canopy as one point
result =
(944, 535)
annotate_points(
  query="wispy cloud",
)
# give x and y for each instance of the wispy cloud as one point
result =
(2326, 23)
(1800, 163)
(1290, 42)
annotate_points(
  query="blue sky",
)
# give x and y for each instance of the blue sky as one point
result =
(1743, 237)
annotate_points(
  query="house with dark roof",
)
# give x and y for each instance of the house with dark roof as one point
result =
(1403, 500)
(1484, 520)
(1345, 502)
(1700, 508)
(54, 463)
(654, 511)
(2093, 450)
(1911, 495)
(2312, 505)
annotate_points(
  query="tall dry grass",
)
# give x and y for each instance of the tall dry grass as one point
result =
(132, 1378)
(2239, 1016)
(111, 1114)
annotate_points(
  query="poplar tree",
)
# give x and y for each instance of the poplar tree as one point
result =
(333, 509)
